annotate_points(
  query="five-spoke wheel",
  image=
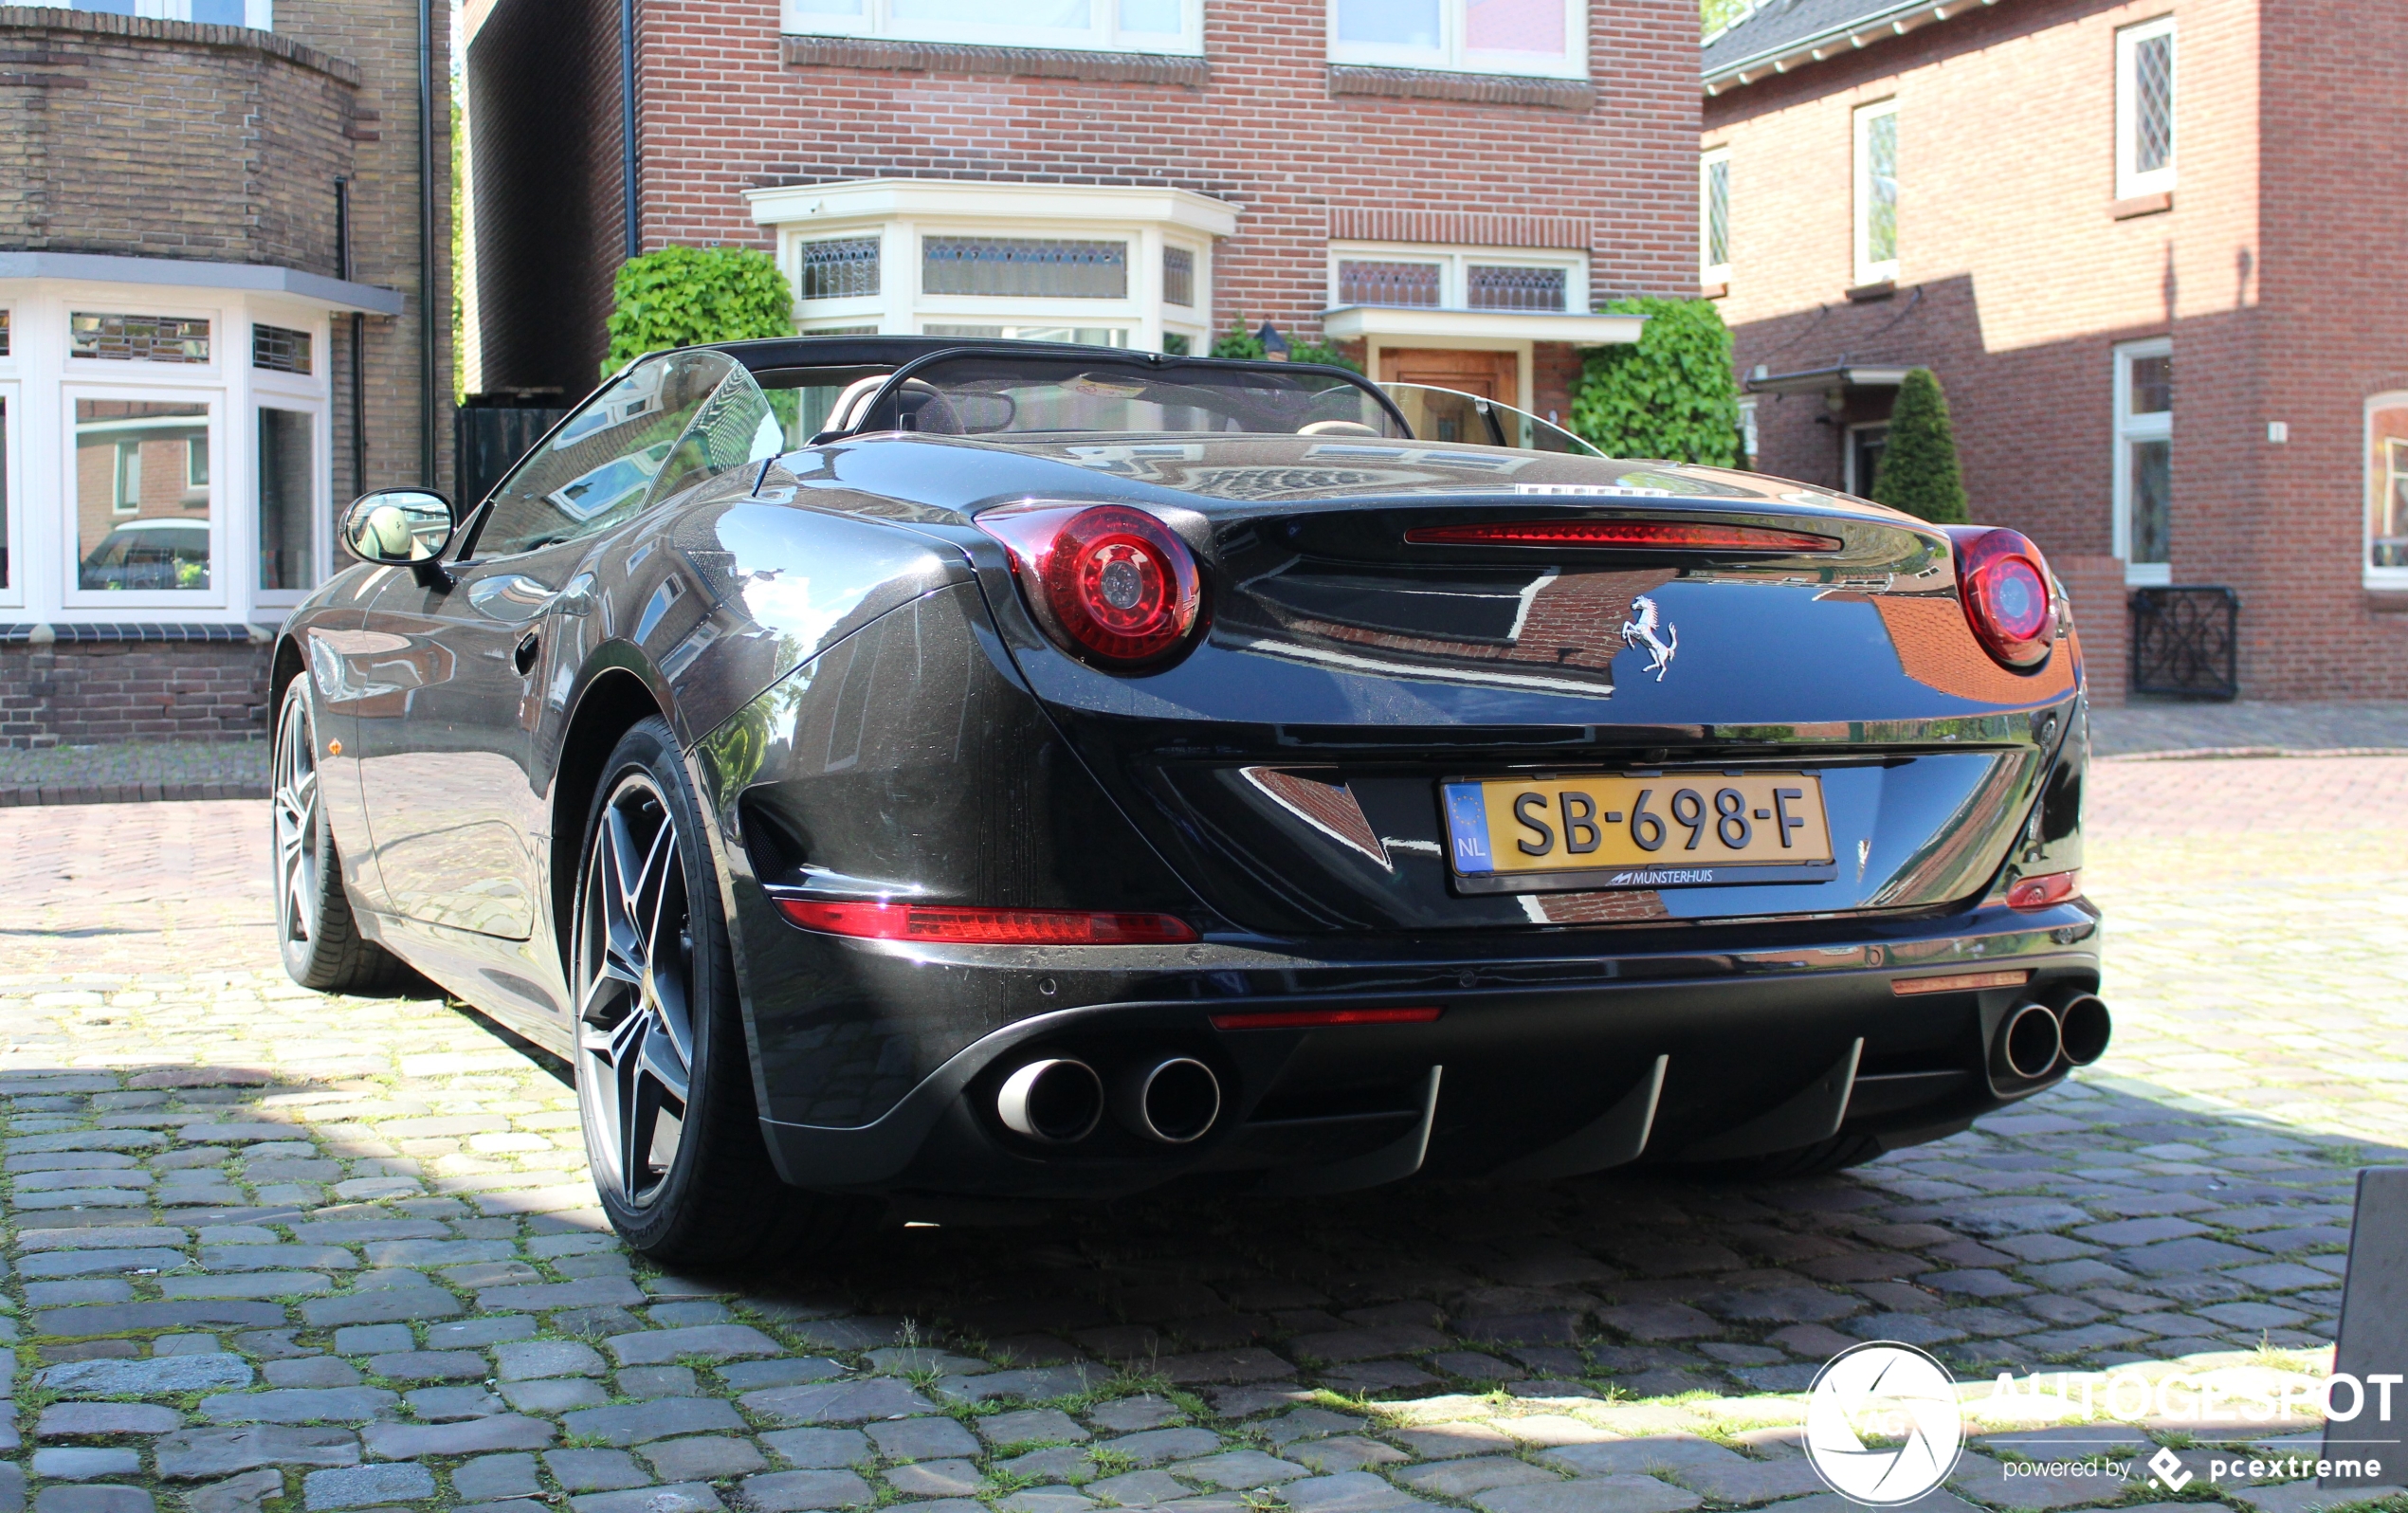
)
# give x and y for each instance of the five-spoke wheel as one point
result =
(635, 999)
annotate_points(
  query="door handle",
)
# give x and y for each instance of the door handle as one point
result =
(523, 659)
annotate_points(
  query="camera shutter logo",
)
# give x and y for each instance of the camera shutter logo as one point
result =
(1891, 1394)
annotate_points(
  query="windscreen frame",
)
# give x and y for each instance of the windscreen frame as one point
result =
(1151, 362)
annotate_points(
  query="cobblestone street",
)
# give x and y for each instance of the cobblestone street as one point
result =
(270, 1248)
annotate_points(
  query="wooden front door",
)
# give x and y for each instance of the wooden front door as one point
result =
(1489, 374)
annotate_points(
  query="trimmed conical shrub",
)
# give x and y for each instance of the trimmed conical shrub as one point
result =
(1918, 471)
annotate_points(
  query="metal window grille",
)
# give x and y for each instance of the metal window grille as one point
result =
(1718, 212)
(2185, 642)
(1179, 277)
(1515, 288)
(839, 270)
(1393, 283)
(279, 350)
(137, 337)
(2153, 104)
(1026, 266)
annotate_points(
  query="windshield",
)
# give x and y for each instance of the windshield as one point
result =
(1451, 415)
(1000, 393)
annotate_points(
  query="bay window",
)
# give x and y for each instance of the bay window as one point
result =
(177, 437)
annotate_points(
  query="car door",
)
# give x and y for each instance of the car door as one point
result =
(448, 771)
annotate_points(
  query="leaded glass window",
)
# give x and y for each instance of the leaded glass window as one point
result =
(1876, 192)
(278, 349)
(1029, 266)
(1364, 281)
(1502, 288)
(2153, 103)
(1714, 190)
(1179, 275)
(844, 270)
(139, 337)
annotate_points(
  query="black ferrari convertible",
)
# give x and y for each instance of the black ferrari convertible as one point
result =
(905, 775)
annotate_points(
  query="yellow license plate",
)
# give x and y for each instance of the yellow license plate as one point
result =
(1653, 831)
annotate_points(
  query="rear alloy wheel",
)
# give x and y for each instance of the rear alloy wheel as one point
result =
(664, 1087)
(315, 930)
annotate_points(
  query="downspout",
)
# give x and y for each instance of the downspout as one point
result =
(630, 188)
(427, 243)
(358, 341)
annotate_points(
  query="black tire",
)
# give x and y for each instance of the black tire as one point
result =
(1834, 1154)
(664, 1086)
(315, 933)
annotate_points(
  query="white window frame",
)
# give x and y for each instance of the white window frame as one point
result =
(221, 505)
(312, 394)
(901, 215)
(2130, 182)
(1869, 270)
(2129, 428)
(1710, 271)
(877, 18)
(2376, 471)
(1850, 483)
(12, 488)
(1453, 56)
(1454, 264)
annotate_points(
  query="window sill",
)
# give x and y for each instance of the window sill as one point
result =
(1478, 89)
(2139, 205)
(1871, 293)
(1714, 289)
(2387, 601)
(1035, 63)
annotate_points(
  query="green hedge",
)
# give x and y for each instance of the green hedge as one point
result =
(681, 295)
(1671, 393)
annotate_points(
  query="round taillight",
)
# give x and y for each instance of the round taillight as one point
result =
(2004, 584)
(1122, 586)
(1113, 583)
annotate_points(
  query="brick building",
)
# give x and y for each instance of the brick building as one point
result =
(216, 233)
(1448, 188)
(2140, 247)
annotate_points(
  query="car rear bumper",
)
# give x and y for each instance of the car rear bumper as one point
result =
(1546, 1058)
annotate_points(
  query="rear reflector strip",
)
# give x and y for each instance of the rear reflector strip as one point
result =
(945, 922)
(1323, 1018)
(1958, 982)
(2039, 892)
(1646, 535)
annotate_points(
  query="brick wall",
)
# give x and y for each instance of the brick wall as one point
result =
(2017, 281)
(77, 694)
(164, 138)
(381, 38)
(544, 91)
(1265, 124)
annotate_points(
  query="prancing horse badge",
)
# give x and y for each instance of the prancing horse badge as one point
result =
(1640, 632)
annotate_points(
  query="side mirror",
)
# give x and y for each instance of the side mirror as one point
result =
(400, 527)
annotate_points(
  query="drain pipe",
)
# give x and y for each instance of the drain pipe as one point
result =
(631, 164)
(426, 243)
(358, 341)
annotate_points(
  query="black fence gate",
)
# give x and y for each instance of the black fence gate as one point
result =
(2185, 642)
(490, 432)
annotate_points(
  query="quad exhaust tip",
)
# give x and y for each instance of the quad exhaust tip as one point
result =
(2030, 1042)
(1053, 1101)
(1173, 1100)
